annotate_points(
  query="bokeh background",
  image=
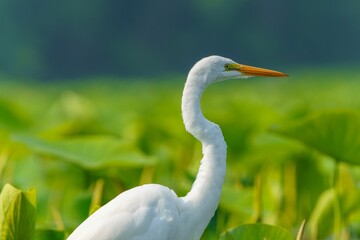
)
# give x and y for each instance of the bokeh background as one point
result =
(90, 97)
(75, 39)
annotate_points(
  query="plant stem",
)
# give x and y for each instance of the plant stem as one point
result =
(301, 231)
(337, 207)
(257, 198)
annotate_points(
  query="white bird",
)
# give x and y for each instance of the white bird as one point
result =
(155, 212)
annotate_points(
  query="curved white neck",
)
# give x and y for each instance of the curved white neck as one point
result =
(204, 195)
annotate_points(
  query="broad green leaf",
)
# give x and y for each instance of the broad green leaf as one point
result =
(257, 231)
(336, 134)
(47, 234)
(89, 152)
(17, 213)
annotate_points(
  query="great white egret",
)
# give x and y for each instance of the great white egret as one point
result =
(155, 212)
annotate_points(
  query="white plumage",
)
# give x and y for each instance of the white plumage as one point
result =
(154, 212)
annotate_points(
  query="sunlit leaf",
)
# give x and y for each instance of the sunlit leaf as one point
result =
(336, 134)
(257, 231)
(95, 152)
(17, 213)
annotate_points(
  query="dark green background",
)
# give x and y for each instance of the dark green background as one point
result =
(79, 38)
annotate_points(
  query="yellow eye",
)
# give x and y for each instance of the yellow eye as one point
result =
(227, 67)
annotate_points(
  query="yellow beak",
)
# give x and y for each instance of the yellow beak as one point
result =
(255, 71)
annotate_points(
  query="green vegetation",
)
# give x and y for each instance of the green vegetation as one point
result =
(293, 152)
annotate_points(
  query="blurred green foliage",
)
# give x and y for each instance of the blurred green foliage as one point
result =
(292, 148)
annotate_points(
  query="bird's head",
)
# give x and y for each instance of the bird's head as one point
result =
(216, 68)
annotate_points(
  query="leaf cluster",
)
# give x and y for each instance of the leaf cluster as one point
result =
(293, 153)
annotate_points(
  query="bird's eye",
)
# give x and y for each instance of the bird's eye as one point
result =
(227, 67)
